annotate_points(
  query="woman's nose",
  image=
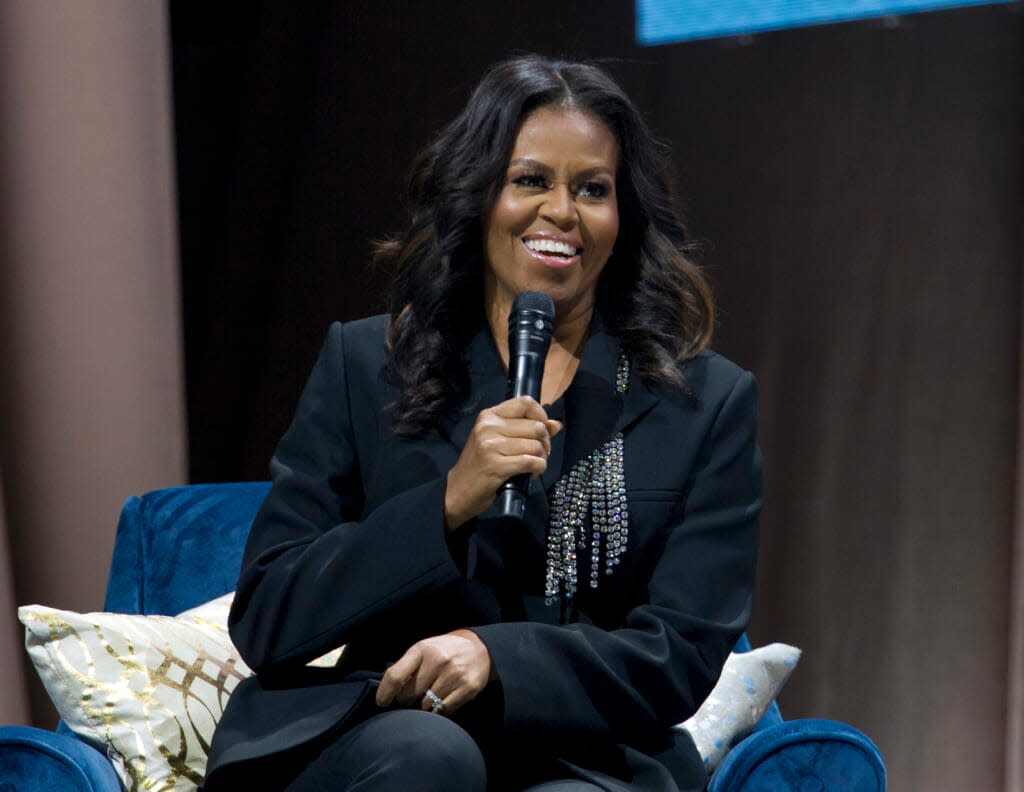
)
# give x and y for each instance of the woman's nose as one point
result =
(559, 206)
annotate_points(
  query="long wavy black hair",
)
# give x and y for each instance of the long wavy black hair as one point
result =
(650, 293)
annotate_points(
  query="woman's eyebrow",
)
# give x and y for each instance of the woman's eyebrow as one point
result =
(597, 170)
(531, 163)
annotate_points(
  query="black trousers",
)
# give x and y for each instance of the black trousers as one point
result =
(408, 750)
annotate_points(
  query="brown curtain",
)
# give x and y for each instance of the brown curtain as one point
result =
(1015, 695)
(862, 188)
(91, 405)
(14, 702)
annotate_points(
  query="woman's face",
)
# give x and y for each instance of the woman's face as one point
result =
(555, 219)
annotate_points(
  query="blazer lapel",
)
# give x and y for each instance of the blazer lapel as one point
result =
(592, 405)
(639, 400)
(487, 387)
(595, 408)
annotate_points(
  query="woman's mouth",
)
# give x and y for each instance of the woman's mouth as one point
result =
(555, 253)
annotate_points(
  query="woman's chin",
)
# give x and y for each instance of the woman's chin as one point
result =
(562, 286)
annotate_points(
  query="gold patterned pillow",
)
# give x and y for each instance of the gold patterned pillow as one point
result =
(146, 690)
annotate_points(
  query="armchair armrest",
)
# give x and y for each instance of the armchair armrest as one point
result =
(35, 760)
(802, 754)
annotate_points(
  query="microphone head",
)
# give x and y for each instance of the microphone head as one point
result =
(530, 323)
(535, 302)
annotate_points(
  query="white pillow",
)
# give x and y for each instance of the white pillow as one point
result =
(146, 690)
(743, 693)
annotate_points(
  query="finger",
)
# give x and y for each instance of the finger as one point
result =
(509, 466)
(427, 704)
(554, 427)
(396, 677)
(521, 407)
(453, 691)
(442, 687)
(523, 427)
(454, 701)
(414, 689)
(522, 446)
(495, 444)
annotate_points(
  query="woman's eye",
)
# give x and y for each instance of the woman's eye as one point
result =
(593, 190)
(530, 180)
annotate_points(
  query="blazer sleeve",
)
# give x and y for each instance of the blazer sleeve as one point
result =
(626, 684)
(313, 574)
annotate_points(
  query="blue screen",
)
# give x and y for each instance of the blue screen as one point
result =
(664, 21)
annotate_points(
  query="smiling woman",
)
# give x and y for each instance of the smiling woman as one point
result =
(554, 652)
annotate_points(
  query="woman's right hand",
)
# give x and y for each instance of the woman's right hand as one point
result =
(508, 439)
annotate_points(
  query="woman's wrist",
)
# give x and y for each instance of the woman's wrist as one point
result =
(454, 516)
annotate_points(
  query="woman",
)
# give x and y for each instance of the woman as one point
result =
(551, 654)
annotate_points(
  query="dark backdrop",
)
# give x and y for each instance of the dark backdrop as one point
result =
(858, 188)
(296, 126)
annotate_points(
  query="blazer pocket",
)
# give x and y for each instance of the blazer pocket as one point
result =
(641, 495)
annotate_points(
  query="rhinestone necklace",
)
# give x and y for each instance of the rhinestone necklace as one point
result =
(595, 485)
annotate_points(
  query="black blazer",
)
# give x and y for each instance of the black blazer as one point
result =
(350, 548)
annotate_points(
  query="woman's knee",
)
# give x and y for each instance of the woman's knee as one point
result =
(437, 751)
(399, 750)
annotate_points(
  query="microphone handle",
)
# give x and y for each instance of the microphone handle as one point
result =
(525, 373)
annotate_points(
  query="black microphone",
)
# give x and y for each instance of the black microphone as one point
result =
(529, 336)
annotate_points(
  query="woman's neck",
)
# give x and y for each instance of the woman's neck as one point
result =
(567, 340)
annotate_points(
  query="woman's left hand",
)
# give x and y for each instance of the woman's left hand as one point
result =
(455, 667)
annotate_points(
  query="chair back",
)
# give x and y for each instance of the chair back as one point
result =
(180, 547)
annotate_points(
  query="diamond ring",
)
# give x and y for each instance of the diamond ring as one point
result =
(436, 702)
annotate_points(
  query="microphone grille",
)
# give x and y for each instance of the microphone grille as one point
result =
(537, 302)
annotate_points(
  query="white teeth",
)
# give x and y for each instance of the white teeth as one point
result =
(551, 246)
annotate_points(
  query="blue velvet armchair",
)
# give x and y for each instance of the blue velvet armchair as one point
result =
(179, 547)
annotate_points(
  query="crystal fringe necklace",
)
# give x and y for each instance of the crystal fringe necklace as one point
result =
(596, 485)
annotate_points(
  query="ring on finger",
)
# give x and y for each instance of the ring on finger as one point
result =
(436, 702)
